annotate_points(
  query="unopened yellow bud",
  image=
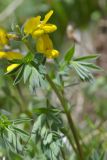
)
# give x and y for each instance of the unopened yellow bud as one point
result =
(51, 53)
(55, 53)
(12, 67)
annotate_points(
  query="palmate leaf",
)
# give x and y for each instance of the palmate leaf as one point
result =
(84, 67)
(47, 131)
(23, 63)
(31, 72)
(34, 76)
(83, 72)
(11, 134)
(36, 79)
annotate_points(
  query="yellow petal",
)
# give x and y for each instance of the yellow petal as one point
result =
(2, 54)
(40, 45)
(38, 33)
(48, 28)
(47, 16)
(44, 43)
(12, 55)
(31, 24)
(12, 67)
(3, 37)
(48, 42)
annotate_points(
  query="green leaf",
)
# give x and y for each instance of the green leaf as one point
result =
(16, 156)
(41, 110)
(43, 131)
(90, 65)
(87, 58)
(27, 72)
(19, 75)
(28, 58)
(37, 123)
(21, 131)
(96, 155)
(22, 120)
(55, 148)
(83, 72)
(49, 137)
(102, 156)
(36, 79)
(42, 69)
(69, 54)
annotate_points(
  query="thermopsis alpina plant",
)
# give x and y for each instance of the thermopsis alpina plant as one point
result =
(37, 129)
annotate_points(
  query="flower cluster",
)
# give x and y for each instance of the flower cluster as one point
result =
(39, 30)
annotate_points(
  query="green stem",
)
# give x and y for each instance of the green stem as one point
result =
(23, 108)
(63, 154)
(69, 118)
(66, 133)
(22, 100)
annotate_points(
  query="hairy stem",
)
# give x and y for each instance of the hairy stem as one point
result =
(68, 115)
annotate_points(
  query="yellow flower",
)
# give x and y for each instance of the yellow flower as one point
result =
(3, 37)
(44, 45)
(11, 56)
(36, 28)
